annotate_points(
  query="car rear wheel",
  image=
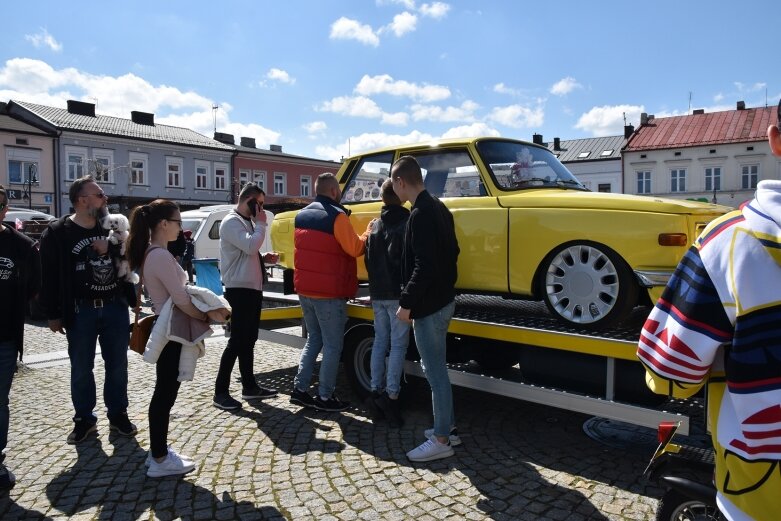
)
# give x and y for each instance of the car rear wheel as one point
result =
(588, 285)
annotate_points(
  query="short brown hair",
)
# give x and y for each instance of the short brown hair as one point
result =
(75, 189)
(250, 189)
(407, 168)
(325, 182)
(388, 195)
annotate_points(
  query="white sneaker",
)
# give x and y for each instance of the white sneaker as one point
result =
(455, 441)
(184, 459)
(172, 465)
(430, 450)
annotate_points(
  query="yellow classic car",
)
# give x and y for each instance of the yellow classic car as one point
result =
(528, 229)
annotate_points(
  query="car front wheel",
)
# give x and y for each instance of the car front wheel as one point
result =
(588, 285)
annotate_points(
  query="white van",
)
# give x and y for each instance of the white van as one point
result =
(204, 223)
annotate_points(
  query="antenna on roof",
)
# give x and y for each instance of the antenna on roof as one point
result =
(690, 102)
(214, 115)
(624, 113)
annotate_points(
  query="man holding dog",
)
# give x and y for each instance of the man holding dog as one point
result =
(84, 299)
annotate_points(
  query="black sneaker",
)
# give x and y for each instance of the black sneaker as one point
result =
(333, 404)
(374, 411)
(258, 392)
(7, 478)
(81, 429)
(302, 398)
(225, 402)
(121, 424)
(391, 410)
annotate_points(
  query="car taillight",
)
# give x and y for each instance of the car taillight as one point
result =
(665, 431)
(673, 239)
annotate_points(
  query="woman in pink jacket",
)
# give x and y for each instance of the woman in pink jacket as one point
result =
(152, 227)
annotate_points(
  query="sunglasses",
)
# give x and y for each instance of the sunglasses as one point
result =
(3, 206)
(175, 221)
(99, 195)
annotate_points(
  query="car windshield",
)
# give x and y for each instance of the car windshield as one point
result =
(516, 165)
(191, 224)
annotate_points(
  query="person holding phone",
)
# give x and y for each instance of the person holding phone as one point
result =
(241, 235)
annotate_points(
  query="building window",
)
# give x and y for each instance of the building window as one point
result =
(306, 183)
(220, 176)
(749, 176)
(280, 182)
(604, 187)
(173, 168)
(712, 178)
(584, 155)
(678, 180)
(643, 182)
(259, 176)
(201, 175)
(76, 160)
(243, 178)
(138, 163)
(19, 172)
(101, 165)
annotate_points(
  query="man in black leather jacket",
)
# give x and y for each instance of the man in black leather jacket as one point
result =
(383, 264)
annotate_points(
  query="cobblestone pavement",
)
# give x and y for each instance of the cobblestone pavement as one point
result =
(273, 460)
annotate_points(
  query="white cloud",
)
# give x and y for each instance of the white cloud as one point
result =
(315, 127)
(280, 75)
(385, 84)
(436, 113)
(608, 120)
(517, 116)
(368, 141)
(473, 130)
(402, 24)
(36, 81)
(409, 4)
(435, 10)
(564, 86)
(745, 87)
(501, 88)
(718, 97)
(397, 118)
(43, 39)
(348, 29)
(356, 106)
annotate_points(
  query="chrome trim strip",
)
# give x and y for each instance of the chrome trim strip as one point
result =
(650, 278)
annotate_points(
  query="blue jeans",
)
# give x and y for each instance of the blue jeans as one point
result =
(110, 325)
(391, 332)
(8, 354)
(431, 339)
(325, 320)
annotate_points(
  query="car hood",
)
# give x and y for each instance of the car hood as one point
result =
(553, 198)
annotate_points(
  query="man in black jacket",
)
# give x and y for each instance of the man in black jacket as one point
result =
(20, 280)
(429, 276)
(85, 300)
(383, 264)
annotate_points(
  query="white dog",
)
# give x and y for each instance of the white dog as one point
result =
(119, 230)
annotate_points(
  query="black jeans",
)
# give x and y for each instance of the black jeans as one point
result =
(164, 397)
(245, 321)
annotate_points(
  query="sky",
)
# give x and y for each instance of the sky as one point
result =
(331, 78)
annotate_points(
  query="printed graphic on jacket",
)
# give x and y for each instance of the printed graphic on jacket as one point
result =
(96, 275)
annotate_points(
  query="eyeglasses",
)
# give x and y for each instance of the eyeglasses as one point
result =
(179, 221)
(3, 206)
(99, 195)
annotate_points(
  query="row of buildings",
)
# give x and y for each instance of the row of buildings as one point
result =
(711, 157)
(718, 157)
(46, 148)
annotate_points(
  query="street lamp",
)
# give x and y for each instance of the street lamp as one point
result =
(32, 177)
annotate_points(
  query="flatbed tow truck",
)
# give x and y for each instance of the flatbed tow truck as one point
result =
(511, 348)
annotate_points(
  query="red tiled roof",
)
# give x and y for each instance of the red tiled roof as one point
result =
(731, 126)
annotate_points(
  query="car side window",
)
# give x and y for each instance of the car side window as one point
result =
(450, 173)
(367, 178)
(214, 231)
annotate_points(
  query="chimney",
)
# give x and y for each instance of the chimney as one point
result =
(643, 118)
(275, 148)
(556, 144)
(142, 118)
(741, 105)
(537, 139)
(81, 108)
(224, 138)
(248, 142)
(628, 131)
(697, 112)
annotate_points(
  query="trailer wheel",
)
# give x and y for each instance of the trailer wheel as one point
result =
(358, 341)
(587, 284)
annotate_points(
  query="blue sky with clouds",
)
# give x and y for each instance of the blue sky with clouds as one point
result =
(321, 77)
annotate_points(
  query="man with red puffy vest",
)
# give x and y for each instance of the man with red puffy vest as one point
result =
(326, 247)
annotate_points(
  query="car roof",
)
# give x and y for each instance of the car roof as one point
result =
(434, 143)
(204, 211)
(16, 212)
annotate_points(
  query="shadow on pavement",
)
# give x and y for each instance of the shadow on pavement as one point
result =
(116, 487)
